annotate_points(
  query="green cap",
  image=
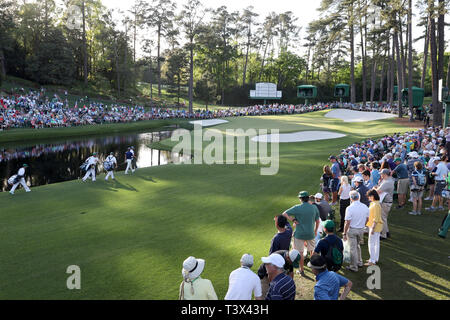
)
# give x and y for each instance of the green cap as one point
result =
(398, 159)
(25, 165)
(303, 194)
(296, 262)
(329, 225)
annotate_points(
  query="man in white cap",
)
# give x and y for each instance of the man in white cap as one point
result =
(440, 177)
(20, 179)
(91, 167)
(193, 286)
(282, 287)
(243, 282)
(291, 261)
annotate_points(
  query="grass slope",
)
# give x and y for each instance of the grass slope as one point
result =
(131, 236)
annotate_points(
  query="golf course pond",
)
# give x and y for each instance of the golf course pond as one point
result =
(60, 160)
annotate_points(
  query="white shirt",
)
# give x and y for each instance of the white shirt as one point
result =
(441, 171)
(92, 160)
(242, 283)
(21, 172)
(345, 194)
(111, 159)
(357, 213)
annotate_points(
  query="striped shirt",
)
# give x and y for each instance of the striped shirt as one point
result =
(281, 288)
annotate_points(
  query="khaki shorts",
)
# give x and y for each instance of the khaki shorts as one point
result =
(403, 186)
(300, 245)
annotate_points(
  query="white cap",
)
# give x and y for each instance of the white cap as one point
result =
(359, 179)
(274, 259)
(318, 196)
(293, 254)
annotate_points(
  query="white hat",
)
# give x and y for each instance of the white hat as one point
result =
(318, 196)
(432, 152)
(413, 154)
(247, 260)
(436, 159)
(274, 259)
(192, 267)
(359, 179)
(293, 254)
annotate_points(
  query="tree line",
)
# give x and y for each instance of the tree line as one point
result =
(220, 54)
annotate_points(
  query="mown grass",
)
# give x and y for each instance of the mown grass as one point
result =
(131, 236)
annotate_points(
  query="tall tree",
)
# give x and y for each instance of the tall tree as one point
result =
(191, 17)
(248, 20)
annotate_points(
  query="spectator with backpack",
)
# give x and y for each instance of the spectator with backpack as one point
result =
(418, 181)
(330, 247)
(375, 225)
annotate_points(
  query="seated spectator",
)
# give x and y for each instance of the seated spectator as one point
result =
(282, 287)
(328, 283)
(193, 286)
(331, 241)
(243, 282)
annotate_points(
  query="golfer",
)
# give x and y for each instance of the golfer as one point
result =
(91, 167)
(20, 179)
(129, 155)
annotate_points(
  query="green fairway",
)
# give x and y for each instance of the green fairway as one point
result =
(131, 236)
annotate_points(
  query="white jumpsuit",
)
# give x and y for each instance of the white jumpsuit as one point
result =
(113, 160)
(92, 161)
(21, 181)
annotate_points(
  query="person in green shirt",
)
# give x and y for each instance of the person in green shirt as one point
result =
(306, 219)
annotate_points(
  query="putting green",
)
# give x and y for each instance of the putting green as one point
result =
(131, 236)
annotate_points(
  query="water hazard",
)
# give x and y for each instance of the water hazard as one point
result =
(58, 161)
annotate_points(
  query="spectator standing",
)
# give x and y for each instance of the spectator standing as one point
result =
(362, 190)
(418, 181)
(440, 177)
(403, 182)
(243, 282)
(306, 218)
(281, 240)
(344, 200)
(326, 179)
(375, 225)
(386, 192)
(355, 221)
(336, 171)
(328, 243)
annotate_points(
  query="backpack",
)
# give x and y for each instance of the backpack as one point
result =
(421, 179)
(334, 257)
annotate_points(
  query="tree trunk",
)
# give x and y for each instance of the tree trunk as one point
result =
(85, 58)
(191, 74)
(392, 72)
(159, 62)
(373, 80)
(2, 64)
(426, 49)
(352, 60)
(410, 63)
(437, 111)
(399, 75)
(380, 100)
(363, 57)
(246, 56)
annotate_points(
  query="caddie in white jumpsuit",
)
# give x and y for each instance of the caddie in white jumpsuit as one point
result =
(21, 180)
(92, 162)
(111, 159)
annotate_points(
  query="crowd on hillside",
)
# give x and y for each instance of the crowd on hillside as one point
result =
(36, 110)
(361, 183)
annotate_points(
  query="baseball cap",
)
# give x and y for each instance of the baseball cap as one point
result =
(25, 165)
(274, 259)
(332, 157)
(398, 159)
(318, 196)
(247, 260)
(317, 262)
(303, 194)
(329, 225)
(359, 179)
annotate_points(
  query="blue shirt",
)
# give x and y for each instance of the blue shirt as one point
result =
(336, 170)
(282, 240)
(375, 177)
(129, 155)
(402, 171)
(328, 285)
(281, 288)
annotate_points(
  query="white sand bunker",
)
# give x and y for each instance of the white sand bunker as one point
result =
(357, 116)
(208, 123)
(301, 136)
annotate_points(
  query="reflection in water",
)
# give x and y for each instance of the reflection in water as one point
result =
(57, 162)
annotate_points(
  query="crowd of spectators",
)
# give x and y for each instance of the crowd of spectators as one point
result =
(365, 176)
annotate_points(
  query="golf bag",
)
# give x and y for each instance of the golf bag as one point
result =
(14, 179)
(84, 167)
(108, 166)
